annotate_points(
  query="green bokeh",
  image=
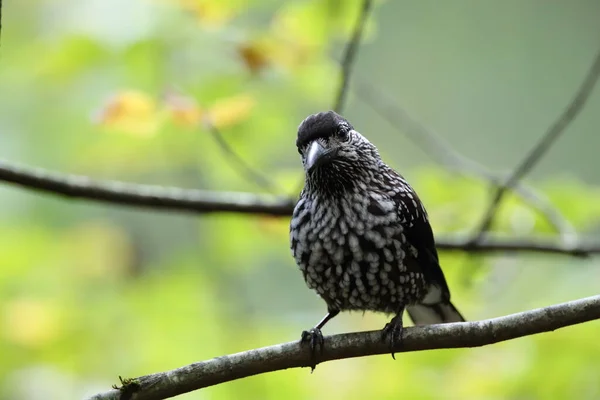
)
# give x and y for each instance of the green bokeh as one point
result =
(89, 292)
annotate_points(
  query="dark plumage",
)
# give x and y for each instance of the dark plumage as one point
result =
(360, 235)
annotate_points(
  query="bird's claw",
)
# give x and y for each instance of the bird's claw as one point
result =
(314, 337)
(394, 330)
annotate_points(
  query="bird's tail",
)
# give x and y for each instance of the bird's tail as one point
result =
(439, 313)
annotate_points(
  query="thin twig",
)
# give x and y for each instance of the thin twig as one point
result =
(242, 166)
(441, 152)
(350, 55)
(174, 99)
(546, 141)
(204, 202)
(351, 345)
(498, 244)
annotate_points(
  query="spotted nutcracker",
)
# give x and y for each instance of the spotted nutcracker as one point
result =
(360, 234)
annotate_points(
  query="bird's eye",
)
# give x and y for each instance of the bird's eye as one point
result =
(343, 133)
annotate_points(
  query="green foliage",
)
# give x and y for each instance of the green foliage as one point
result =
(89, 293)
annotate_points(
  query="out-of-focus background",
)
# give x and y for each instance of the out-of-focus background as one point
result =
(114, 90)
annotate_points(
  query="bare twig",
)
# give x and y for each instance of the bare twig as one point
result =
(444, 154)
(498, 244)
(203, 202)
(546, 141)
(350, 345)
(350, 55)
(242, 166)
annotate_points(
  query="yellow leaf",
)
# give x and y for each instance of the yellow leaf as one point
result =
(274, 50)
(130, 111)
(211, 13)
(184, 110)
(292, 55)
(231, 111)
(103, 251)
(31, 322)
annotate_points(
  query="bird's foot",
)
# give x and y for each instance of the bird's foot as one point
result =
(314, 337)
(394, 330)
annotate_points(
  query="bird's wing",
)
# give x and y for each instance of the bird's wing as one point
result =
(419, 236)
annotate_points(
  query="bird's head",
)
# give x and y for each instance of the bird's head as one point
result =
(333, 152)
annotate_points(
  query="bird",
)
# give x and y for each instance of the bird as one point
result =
(360, 234)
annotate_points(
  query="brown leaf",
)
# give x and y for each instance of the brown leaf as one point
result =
(254, 55)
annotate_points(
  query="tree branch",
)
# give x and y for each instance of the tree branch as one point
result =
(350, 345)
(441, 152)
(506, 245)
(204, 202)
(546, 141)
(155, 197)
(350, 55)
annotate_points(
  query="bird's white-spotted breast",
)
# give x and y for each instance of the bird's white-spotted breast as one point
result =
(353, 253)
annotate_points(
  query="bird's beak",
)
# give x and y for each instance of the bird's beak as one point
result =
(318, 155)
